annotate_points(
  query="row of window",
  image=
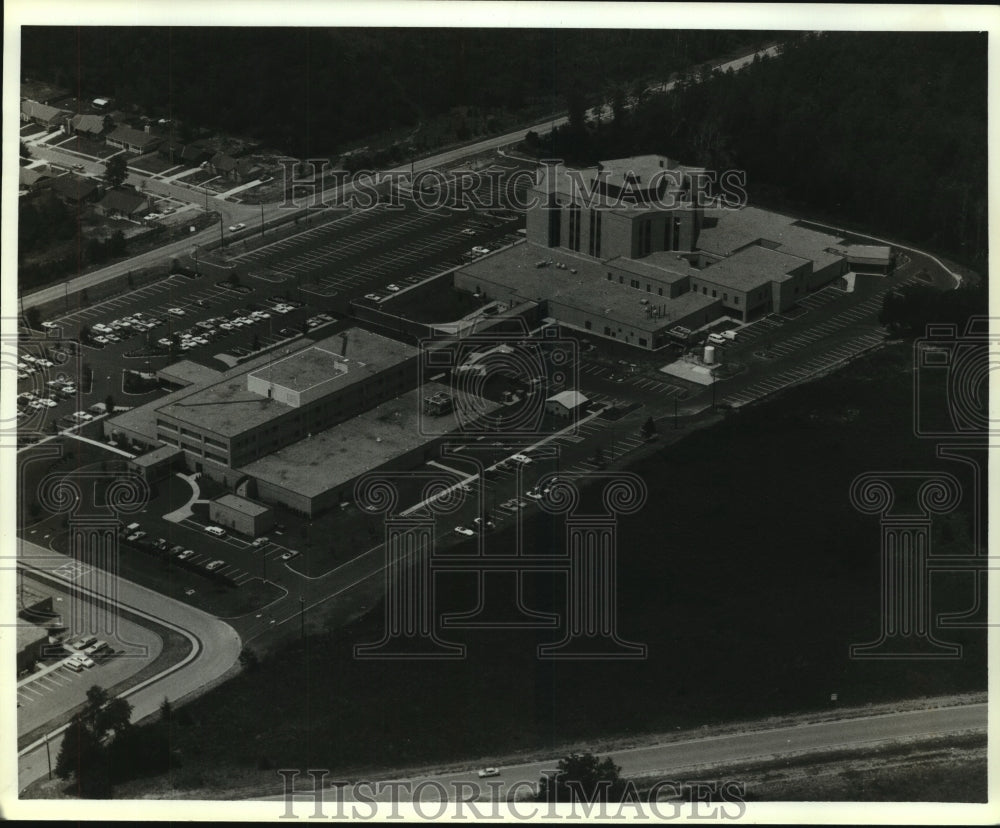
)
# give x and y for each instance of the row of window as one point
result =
(634, 283)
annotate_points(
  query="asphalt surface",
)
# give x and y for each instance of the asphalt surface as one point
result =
(216, 649)
(707, 751)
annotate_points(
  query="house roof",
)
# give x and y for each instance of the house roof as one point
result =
(568, 399)
(43, 112)
(122, 200)
(74, 187)
(223, 162)
(87, 123)
(133, 137)
(29, 176)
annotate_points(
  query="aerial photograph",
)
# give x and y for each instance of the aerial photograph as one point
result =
(489, 417)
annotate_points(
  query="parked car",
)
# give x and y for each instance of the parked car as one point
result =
(479, 250)
(462, 530)
(291, 553)
(487, 772)
(175, 311)
(211, 567)
(717, 339)
(393, 288)
(218, 531)
(136, 536)
(373, 296)
(234, 227)
(258, 542)
(185, 554)
(523, 459)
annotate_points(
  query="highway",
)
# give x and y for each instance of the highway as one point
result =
(669, 760)
(216, 648)
(232, 213)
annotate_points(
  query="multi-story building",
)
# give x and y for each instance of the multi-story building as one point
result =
(635, 248)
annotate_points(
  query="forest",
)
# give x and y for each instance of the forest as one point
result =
(308, 92)
(886, 132)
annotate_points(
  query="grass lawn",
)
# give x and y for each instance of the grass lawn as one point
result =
(748, 575)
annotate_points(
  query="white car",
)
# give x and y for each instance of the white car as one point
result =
(234, 227)
(468, 231)
(49, 325)
(291, 553)
(183, 556)
(226, 326)
(260, 542)
(82, 660)
(393, 288)
(487, 772)
(479, 250)
(218, 531)
(462, 530)
(214, 565)
(534, 494)
(523, 459)
(175, 311)
(373, 296)
(163, 341)
(51, 403)
(260, 314)
(717, 339)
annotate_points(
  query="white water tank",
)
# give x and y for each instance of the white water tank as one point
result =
(709, 358)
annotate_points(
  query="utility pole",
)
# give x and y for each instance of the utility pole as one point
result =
(302, 617)
(262, 219)
(48, 754)
(675, 413)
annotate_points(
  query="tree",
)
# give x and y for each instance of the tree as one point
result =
(116, 171)
(582, 777)
(33, 318)
(109, 404)
(85, 752)
(25, 154)
(648, 428)
(85, 333)
(166, 710)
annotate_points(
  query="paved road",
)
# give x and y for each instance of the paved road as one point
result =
(694, 754)
(216, 648)
(250, 213)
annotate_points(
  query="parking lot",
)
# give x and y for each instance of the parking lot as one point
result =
(367, 250)
(55, 686)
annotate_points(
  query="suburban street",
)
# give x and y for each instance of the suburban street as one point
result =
(216, 648)
(699, 755)
(251, 213)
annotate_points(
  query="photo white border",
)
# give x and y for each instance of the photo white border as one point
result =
(421, 13)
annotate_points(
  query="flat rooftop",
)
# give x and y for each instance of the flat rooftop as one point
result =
(336, 456)
(242, 505)
(142, 418)
(157, 455)
(187, 372)
(229, 408)
(306, 370)
(752, 267)
(588, 289)
(724, 232)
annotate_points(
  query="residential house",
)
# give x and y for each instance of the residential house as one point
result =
(42, 114)
(30, 177)
(123, 203)
(74, 189)
(135, 141)
(238, 170)
(190, 154)
(91, 126)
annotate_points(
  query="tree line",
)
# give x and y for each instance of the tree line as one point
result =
(307, 91)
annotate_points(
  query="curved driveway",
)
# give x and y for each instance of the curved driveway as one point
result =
(215, 649)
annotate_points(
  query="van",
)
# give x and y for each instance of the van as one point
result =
(717, 339)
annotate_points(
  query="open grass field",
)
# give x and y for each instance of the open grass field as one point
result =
(748, 575)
